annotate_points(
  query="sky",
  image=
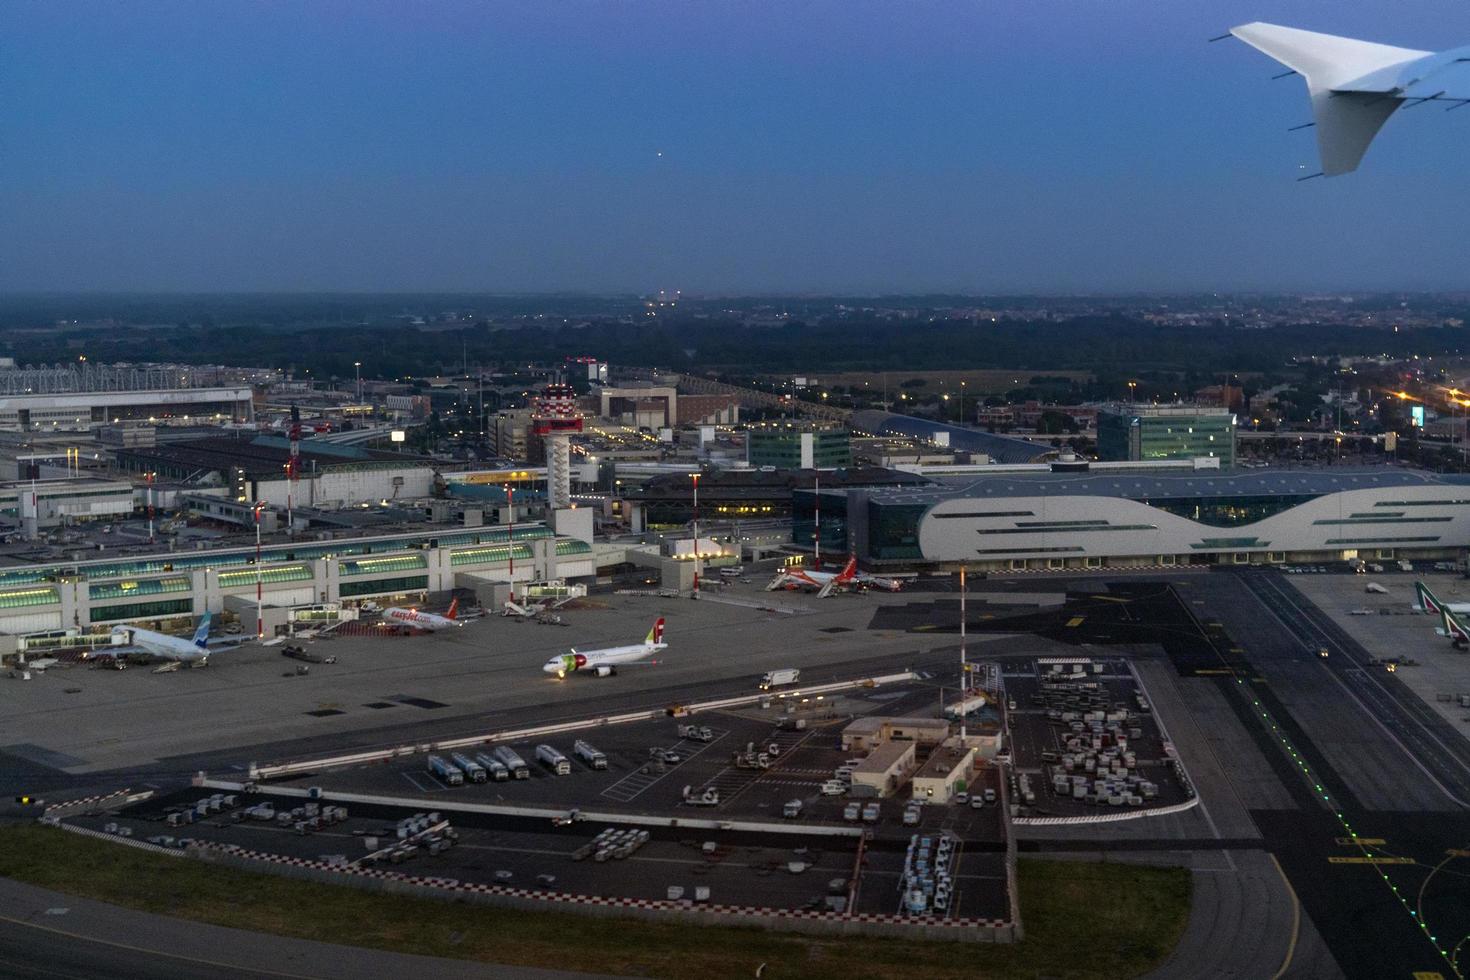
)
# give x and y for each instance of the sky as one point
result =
(720, 146)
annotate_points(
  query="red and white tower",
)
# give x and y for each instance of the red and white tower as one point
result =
(554, 418)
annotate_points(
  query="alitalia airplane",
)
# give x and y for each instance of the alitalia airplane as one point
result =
(1431, 605)
(1452, 628)
(605, 662)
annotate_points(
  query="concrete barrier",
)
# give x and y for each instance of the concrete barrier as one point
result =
(1109, 817)
(548, 813)
(286, 769)
(442, 889)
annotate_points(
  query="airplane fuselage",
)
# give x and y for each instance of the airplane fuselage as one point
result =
(600, 661)
(419, 620)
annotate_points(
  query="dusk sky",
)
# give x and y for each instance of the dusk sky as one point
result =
(631, 145)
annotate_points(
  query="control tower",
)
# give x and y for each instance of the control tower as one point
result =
(554, 418)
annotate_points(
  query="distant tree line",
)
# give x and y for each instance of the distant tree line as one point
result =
(1114, 347)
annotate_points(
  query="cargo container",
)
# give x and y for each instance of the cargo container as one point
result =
(553, 760)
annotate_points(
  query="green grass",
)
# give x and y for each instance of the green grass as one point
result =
(1083, 920)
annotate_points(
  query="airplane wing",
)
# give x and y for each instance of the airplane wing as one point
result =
(1354, 85)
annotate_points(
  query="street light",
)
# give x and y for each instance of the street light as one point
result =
(259, 582)
(695, 476)
(510, 537)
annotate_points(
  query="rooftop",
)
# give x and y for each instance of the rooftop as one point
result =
(260, 455)
(1003, 449)
(1138, 486)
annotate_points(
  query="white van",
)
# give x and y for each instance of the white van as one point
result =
(834, 787)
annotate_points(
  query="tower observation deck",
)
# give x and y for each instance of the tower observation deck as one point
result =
(554, 418)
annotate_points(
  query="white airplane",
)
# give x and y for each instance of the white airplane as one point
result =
(1356, 85)
(1430, 605)
(431, 622)
(605, 662)
(194, 651)
(824, 582)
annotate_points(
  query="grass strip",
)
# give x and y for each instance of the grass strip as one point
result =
(1083, 920)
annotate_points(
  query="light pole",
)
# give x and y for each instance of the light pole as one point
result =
(510, 537)
(357, 368)
(696, 532)
(962, 403)
(259, 581)
(964, 667)
(817, 515)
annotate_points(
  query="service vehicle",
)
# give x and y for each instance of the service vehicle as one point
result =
(447, 772)
(779, 678)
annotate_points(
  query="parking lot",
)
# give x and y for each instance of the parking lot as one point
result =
(762, 870)
(1085, 737)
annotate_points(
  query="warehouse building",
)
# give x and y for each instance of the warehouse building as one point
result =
(1071, 516)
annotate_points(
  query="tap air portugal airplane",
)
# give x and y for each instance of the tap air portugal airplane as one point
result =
(605, 662)
(423, 620)
(1355, 86)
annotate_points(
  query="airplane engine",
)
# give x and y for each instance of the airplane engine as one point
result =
(605, 671)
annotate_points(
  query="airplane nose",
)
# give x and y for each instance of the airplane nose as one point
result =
(552, 667)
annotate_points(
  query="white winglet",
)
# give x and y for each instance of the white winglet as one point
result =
(1355, 85)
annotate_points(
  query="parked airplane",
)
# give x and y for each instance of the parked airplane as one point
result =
(1356, 85)
(431, 622)
(194, 651)
(824, 582)
(605, 662)
(1452, 628)
(1431, 605)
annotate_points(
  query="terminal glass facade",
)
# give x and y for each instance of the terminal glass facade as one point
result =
(893, 530)
(388, 586)
(143, 610)
(1230, 511)
(804, 524)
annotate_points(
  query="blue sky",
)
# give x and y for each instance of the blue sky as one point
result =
(629, 145)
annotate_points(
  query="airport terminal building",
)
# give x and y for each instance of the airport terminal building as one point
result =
(1073, 516)
(169, 590)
